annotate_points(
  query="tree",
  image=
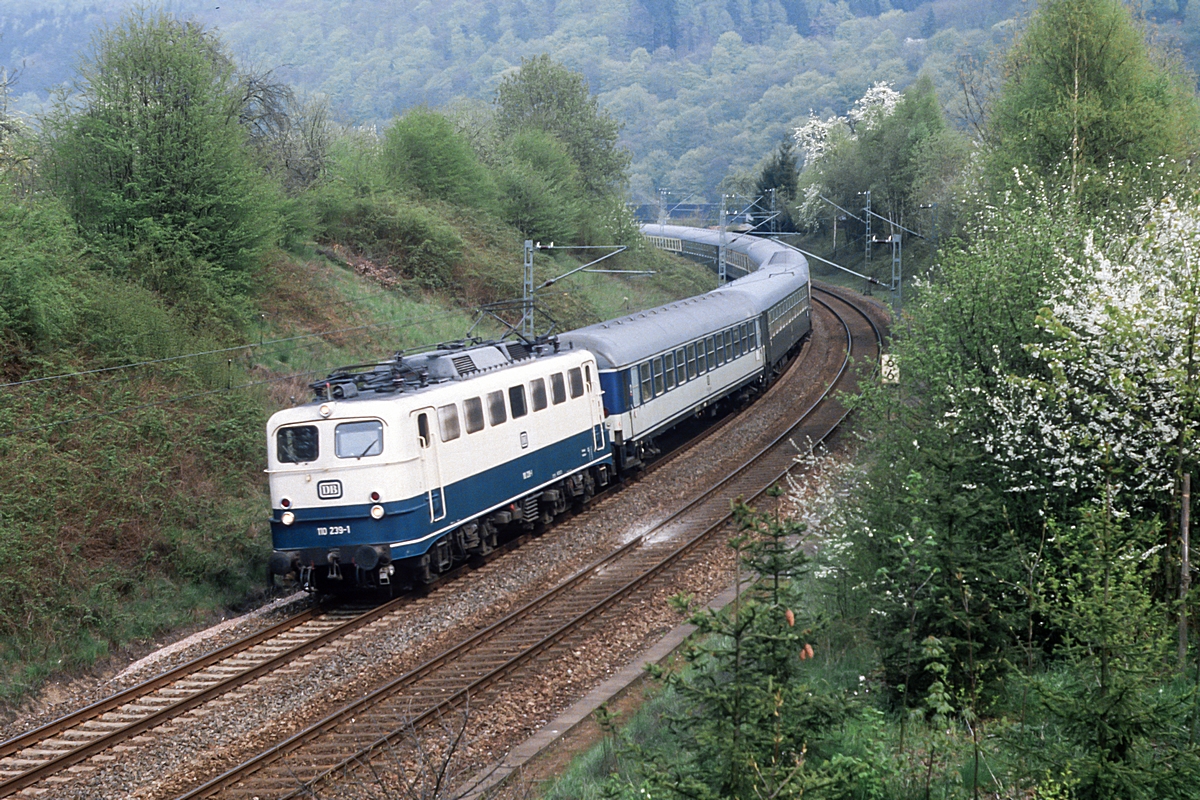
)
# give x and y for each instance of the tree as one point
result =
(546, 96)
(779, 176)
(424, 153)
(755, 717)
(1087, 98)
(1116, 725)
(540, 191)
(150, 156)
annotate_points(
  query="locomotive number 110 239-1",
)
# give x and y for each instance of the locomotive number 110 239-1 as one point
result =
(333, 530)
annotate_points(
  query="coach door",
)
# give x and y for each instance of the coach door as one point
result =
(431, 470)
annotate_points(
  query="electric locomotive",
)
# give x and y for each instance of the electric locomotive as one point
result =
(410, 465)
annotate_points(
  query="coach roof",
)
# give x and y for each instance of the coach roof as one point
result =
(628, 340)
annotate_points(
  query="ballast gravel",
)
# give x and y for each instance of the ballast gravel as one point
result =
(219, 735)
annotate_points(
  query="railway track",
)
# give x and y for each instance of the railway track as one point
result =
(475, 669)
(29, 759)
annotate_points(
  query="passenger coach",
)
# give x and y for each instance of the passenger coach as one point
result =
(660, 366)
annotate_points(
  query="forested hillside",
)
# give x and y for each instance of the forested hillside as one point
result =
(185, 245)
(702, 88)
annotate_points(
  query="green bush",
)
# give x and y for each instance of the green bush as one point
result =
(37, 255)
(423, 153)
(150, 156)
(412, 240)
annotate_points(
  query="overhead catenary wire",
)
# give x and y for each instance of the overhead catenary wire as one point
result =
(184, 397)
(221, 351)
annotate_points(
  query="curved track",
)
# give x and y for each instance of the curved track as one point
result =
(512, 648)
(511, 644)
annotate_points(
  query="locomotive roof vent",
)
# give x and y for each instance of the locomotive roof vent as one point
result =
(463, 364)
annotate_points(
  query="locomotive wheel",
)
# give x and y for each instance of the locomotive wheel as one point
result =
(423, 574)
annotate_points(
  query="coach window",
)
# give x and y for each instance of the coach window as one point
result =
(656, 366)
(358, 439)
(473, 410)
(720, 349)
(635, 394)
(753, 326)
(448, 422)
(495, 404)
(729, 345)
(647, 381)
(558, 389)
(575, 381)
(701, 363)
(516, 399)
(423, 430)
(691, 361)
(738, 339)
(296, 445)
(537, 391)
(711, 353)
(669, 370)
(681, 370)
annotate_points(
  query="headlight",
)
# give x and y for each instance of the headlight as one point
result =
(287, 518)
(376, 512)
(326, 411)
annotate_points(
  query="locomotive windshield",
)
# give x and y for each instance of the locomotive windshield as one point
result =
(296, 445)
(358, 439)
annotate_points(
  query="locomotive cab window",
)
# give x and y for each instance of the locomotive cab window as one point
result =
(473, 410)
(496, 411)
(516, 400)
(558, 389)
(423, 430)
(358, 439)
(575, 378)
(537, 391)
(448, 422)
(297, 445)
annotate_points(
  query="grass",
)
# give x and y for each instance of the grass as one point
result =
(132, 503)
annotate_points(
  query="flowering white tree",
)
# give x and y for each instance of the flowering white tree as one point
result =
(1119, 404)
(873, 107)
(815, 136)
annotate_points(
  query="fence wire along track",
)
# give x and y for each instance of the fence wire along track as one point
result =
(480, 668)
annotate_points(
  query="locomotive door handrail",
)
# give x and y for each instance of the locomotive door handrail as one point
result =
(431, 464)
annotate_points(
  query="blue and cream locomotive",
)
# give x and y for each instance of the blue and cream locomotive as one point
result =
(417, 461)
(398, 470)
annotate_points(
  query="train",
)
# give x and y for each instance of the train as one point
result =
(397, 471)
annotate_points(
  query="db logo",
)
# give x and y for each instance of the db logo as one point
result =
(329, 490)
